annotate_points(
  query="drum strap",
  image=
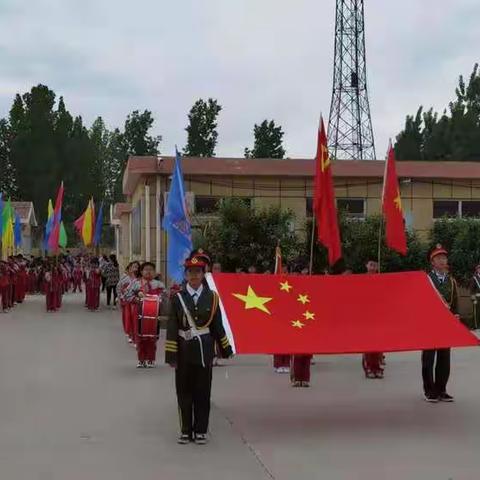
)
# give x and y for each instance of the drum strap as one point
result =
(194, 331)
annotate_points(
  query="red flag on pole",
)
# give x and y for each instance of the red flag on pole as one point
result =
(396, 238)
(57, 220)
(324, 207)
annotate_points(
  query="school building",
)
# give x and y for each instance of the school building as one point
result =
(429, 191)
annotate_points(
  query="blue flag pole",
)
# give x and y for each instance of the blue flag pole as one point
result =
(177, 224)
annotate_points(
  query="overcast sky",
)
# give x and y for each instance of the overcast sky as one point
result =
(260, 59)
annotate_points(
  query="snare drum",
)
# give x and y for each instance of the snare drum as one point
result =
(148, 324)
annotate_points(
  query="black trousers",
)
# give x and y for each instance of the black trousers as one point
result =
(194, 386)
(435, 377)
(104, 280)
(111, 290)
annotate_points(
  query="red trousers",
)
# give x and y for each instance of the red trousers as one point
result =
(280, 361)
(134, 321)
(372, 362)
(127, 320)
(146, 349)
(300, 368)
(4, 292)
(77, 283)
(51, 299)
(93, 298)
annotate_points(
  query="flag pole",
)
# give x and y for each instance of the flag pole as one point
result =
(312, 240)
(380, 235)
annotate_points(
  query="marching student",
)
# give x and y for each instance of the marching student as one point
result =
(93, 282)
(138, 293)
(373, 363)
(195, 322)
(77, 277)
(475, 292)
(435, 377)
(131, 273)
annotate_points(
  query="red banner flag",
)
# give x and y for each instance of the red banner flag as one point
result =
(324, 207)
(57, 220)
(297, 314)
(395, 235)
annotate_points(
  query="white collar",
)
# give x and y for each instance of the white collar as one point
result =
(192, 291)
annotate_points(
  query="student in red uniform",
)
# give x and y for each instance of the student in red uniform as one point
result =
(300, 364)
(93, 284)
(77, 277)
(4, 286)
(372, 363)
(145, 285)
(131, 273)
(50, 289)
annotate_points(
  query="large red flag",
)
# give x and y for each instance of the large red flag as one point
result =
(57, 220)
(395, 235)
(324, 207)
(297, 314)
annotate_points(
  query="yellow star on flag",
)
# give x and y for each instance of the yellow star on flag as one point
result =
(252, 300)
(309, 315)
(398, 200)
(285, 286)
(297, 324)
(303, 299)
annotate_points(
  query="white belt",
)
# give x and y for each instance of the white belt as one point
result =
(189, 334)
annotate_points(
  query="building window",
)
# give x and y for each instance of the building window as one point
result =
(206, 205)
(456, 208)
(352, 207)
(471, 208)
(446, 208)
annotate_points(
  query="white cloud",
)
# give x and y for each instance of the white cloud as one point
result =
(260, 59)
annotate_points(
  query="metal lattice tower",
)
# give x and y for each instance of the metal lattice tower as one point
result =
(350, 132)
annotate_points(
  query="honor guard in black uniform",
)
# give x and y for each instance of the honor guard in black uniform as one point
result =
(475, 292)
(435, 385)
(194, 324)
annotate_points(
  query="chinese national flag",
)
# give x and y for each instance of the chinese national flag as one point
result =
(396, 237)
(324, 207)
(302, 314)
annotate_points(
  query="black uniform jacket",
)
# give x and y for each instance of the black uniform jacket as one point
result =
(206, 315)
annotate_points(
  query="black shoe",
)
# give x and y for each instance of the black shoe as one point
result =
(431, 398)
(183, 439)
(201, 438)
(445, 397)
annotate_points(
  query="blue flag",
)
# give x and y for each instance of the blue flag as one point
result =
(17, 232)
(177, 225)
(98, 227)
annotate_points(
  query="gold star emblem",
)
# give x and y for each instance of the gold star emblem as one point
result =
(309, 315)
(398, 200)
(303, 299)
(252, 300)
(297, 324)
(285, 286)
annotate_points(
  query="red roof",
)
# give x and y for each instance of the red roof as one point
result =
(137, 167)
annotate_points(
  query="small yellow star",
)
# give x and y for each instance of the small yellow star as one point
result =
(297, 324)
(303, 299)
(252, 300)
(309, 315)
(398, 200)
(285, 286)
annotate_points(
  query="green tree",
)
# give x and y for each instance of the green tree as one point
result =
(268, 140)
(136, 137)
(8, 177)
(453, 136)
(202, 129)
(241, 236)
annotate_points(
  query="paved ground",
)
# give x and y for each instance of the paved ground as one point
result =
(73, 407)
